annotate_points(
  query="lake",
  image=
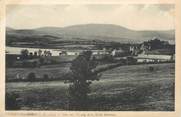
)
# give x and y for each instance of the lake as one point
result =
(17, 50)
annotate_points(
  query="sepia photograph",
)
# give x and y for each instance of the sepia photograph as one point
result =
(90, 57)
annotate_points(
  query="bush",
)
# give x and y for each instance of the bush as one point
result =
(12, 101)
(35, 64)
(45, 77)
(24, 54)
(31, 77)
(41, 60)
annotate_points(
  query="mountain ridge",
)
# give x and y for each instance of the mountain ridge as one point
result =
(105, 32)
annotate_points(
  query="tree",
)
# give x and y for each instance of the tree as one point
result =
(35, 54)
(39, 52)
(156, 43)
(30, 55)
(24, 53)
(82, 76)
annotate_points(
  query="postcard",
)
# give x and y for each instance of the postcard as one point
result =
(90, 58)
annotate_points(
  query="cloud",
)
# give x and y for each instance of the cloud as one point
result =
(138, 17)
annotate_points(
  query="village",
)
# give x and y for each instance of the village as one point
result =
(153, 51)
(115, 65)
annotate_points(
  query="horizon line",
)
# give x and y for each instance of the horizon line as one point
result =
(87, 24)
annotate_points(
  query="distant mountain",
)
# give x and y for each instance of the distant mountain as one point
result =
(9, 29)
(104, 32)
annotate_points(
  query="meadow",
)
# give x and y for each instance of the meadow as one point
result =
(125, 88)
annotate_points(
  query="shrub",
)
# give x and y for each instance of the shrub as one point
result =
(34, 64)
(12, 101)
(31, 77)
(45, 77)
(41, 60)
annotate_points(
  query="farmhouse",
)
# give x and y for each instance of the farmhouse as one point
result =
(153, 58)
(78, 52)
(64, 53)
(99, 52)
(73, 53)
(117, 52)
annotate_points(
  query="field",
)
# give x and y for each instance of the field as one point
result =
(54, 71)
(125, 88)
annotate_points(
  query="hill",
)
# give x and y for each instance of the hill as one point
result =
(104, 32)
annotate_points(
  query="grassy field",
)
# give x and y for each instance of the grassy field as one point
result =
(54, 71)
(125, 88)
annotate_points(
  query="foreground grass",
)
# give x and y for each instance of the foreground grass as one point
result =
(127, 88)
(53, 71)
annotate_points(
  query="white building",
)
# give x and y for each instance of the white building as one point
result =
(117, 52)
(99, 52)
(73, 53)
(153, 58)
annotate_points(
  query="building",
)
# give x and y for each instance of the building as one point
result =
(153, 58)
(117, 52)
(99, 52)
(69, 53)
(134, 50)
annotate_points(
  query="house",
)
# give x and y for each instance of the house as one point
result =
(117, 52)
(61, 53)
(75, 53)
(134, 50)
(99, 52)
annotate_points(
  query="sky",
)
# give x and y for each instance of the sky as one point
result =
(132, 16)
